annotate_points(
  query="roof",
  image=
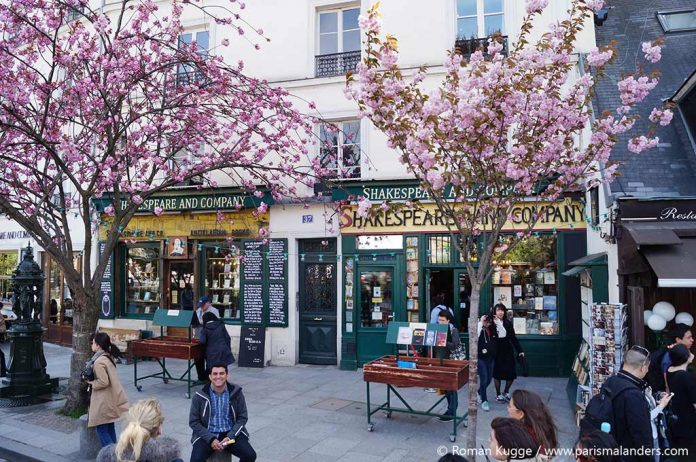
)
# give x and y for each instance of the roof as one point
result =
(669, 169)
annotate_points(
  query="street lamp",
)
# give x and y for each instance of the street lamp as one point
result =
(26, 371)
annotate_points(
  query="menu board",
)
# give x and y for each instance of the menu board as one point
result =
(253, 303)
(277, 283)
(252, 343)
(106, 286)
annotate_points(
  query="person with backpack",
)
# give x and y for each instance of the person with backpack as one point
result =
(490, 329)
(683, 385)
(623, 405)
(438, 305)
(680, 334)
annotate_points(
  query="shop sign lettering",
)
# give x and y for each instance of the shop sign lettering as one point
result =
(14, 235)
(179, 203)
(674, 214)
(415, 192)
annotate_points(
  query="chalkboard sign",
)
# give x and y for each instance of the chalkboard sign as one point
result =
(253, 260)
(277, 283)
(106, 299)
(251, 346)
(253, 303)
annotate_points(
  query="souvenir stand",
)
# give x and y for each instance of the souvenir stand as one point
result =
(409, 371)
(173, 347)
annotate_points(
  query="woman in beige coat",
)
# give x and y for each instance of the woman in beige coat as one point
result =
(108, 401)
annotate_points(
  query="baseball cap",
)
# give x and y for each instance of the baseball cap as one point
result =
(202, 301)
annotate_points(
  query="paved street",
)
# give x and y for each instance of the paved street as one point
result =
(302, 413)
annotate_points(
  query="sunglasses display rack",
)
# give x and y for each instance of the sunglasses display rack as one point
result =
(608, 341)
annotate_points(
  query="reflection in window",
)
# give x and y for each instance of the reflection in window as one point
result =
(385, 242)
(60, 298)
(320, 287)
(222, 279)
(439, 248)
(339, 31)
(339, 148)
(8, 263)
(142, 280)
(376, 308)
(677, 20)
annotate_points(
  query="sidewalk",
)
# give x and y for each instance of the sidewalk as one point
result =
(302, 413)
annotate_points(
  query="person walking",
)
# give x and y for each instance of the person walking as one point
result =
(490, 329)
(656, 377)
(218, 419)
(509, 348)
(632, 427)
(683, 385)
(510, 440)
(140, 440)
(528, 407)
(218, 345)
(108, 401)
(204, 306)
(445, 317)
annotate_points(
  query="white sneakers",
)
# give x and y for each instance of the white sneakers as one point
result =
(485, 406)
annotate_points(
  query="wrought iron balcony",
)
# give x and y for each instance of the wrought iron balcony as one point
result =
(467, 46)
(336, 63)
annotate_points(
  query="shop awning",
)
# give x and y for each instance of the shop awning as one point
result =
(652, 235)
(674, 265)
(581, 264)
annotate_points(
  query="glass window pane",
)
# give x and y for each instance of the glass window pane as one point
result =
(185, 38)
(350, 18)
(8, 263)
(467, 28)
(222, 277)
(440, 249)
(385, 242)
(492, 24)
(679, 21)
(492, 6)
(203, 41)
(328, 22)
(351, 40)
(466, 7)
(320, 288)
(351, 132)
(142, 280)
(328, 44)
(376, 298)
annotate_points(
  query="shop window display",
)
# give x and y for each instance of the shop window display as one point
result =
(222, 278)
(8, 263)
(60, 299)
(526, 281)
(376, 298)
(143, 281)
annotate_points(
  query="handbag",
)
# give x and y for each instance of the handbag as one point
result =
(459, 353)
(524, 366)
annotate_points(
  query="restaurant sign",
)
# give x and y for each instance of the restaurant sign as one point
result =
(565, 214)
(659, 210)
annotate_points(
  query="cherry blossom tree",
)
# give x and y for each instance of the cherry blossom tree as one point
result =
(94, 104)
(499, 129)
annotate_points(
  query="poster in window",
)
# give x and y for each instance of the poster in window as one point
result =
(503, 294)
(517, 289)
(549, 277)
(177, 248)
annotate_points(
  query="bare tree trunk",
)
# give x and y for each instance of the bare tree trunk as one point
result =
(84, 325)
(473, 364)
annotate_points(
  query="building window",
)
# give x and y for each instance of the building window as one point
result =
(338, 42)
(479, 18)
(186, 74)
(60, 298)
(222, 279)
(8, 263)
(184, 160)
(677, 20)
(339, 148)
(594, 205)
(439, 250)
(142, 280)
(687, 107)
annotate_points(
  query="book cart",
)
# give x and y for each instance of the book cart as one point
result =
(173, 347)
(410, 371)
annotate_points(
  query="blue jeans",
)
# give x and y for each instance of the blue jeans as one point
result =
(485, 373)
(106, 434)
(452, 402)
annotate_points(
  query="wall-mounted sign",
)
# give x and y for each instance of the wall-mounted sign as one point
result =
(21, 234)
(404, 192)
(307, 218)
(658, 210)
(220, 199)
(177, 247)
(565, 214)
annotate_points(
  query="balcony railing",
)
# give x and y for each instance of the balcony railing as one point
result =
(336, 63)
(467, 46)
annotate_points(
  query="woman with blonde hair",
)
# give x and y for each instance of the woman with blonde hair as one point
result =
(139, 441)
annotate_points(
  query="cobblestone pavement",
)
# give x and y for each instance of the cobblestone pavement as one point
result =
(301, 413)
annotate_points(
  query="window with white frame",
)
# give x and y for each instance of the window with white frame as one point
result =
(185, 73)
(184, 159)
(480, 18)
(677, 20)
(339, 148)
(338, 41)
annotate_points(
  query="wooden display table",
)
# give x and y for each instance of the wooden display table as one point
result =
(445, 374)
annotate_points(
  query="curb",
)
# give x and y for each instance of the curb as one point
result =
(20, 452)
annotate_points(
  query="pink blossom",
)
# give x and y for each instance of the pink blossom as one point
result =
(158, 211)
(661, 116)
(109, 210)
(262, 208)
(599, 58)
(369, 23)
(652, 52)
(364, 206)
(435, 179)
(225, 42)
(263, 232)
(535, 6)
(595, 5)
(641, 143)
(137, 199)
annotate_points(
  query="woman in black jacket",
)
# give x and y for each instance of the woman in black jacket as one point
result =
(683, 385)
(218, 346)
(509, 348)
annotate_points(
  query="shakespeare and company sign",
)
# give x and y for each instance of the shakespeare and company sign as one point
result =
(566, 214)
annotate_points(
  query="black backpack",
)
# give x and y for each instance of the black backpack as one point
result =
(655, 377)
(599, 409)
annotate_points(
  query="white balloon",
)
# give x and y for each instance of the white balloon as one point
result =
(684, 318)
(665, 309)
(646, 315)
(657, 323)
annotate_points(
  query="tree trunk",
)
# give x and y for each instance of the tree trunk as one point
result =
(84, 325)
(473, 363)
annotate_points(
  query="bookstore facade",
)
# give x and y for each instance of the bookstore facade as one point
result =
(202, 244)
(396, 262)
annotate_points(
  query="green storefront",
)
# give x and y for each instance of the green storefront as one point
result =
(395, 262)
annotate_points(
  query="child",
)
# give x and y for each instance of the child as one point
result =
(445, 317)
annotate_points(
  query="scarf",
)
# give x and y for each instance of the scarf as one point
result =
(89, 365)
